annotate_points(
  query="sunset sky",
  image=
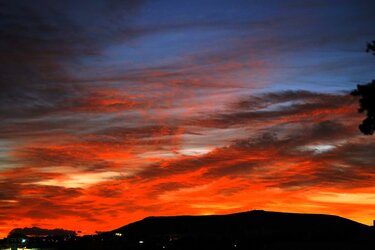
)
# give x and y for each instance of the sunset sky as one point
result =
(111, 111)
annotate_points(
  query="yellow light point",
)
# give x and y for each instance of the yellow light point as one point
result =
(118, 234)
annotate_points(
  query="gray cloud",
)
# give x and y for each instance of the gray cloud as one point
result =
(274, 107)
(40, 43)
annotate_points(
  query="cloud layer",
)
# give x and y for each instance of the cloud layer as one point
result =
(111, 112)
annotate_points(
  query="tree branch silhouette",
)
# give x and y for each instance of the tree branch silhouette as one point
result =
(367, 100)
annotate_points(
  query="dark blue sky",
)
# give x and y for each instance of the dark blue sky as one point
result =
(314, 45)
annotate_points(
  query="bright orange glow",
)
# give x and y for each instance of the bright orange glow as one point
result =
(98, 184)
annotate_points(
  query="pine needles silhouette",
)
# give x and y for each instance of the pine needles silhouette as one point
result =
(367, 100)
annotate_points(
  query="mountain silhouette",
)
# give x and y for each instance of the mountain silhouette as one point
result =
(256, 229)
(253, 230)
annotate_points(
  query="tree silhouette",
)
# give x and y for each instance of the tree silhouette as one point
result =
(367, 100)
(371, 47)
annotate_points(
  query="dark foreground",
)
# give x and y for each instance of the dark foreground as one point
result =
(249, 230)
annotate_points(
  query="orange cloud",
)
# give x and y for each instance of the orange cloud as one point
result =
(303, 157)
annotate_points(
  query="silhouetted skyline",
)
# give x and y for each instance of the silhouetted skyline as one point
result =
(255, 229)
